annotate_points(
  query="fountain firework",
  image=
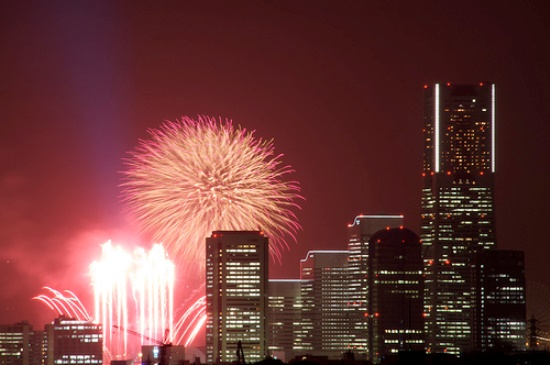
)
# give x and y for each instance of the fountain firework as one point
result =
(133, 292)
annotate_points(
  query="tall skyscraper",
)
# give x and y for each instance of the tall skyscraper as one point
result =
(457, 206)
(236, 295)
(359, 235)
(394, 305)
(325, 321)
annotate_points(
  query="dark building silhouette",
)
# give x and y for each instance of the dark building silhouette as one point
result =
(500, 310)
(359, 234)
(395, 300)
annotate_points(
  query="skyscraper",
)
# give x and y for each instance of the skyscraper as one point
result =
(359, 235)
(285, 330)
(457, 206)
(500, 318)
(236, 295)
(324, 289)
(394, 305)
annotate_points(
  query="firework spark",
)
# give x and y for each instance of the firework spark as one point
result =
(196, 176)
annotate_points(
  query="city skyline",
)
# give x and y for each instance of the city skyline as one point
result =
(338, 88)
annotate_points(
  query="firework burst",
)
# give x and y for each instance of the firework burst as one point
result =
(196, 176)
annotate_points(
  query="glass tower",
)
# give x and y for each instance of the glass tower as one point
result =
(457, 206)
(236, 295)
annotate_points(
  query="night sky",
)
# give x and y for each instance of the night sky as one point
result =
(338, 85)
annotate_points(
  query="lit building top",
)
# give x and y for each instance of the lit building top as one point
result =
(459, 131)
(377, 219)
(311, 254)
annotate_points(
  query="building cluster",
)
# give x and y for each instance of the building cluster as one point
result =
(448, 291)
(69, 341)
(65, 341)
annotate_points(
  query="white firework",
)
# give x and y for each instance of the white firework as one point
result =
(193, 177)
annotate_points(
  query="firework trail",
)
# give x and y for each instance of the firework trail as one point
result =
(190, 322)
(66, 304)
(196, 176)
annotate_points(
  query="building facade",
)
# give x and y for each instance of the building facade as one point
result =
(236, 295)
(457, 206)
(285, 329)
(324, 291)
(359, 235)
(395, 300)
(71, 341)
(20, 344)
(500, 311)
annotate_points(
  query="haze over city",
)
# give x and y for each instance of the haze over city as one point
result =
(337, 86)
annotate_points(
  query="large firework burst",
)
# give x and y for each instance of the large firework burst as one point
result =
(196, 176)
